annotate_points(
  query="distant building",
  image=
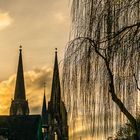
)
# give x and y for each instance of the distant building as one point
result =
(20, 125)
(54, 119)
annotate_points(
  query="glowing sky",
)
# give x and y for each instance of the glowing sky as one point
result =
(39, 26)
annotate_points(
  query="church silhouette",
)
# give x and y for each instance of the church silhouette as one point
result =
(20, 125)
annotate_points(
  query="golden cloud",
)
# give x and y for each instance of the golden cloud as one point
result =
(34, 81)
(5, 20)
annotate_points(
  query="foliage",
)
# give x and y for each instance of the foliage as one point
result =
(126, 132)
(102, 63)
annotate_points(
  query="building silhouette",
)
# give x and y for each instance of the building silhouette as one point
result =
(19, 105)
(54, 118)
(19, 125)
(50, 125)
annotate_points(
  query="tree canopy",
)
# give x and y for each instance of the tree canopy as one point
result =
(102, 63)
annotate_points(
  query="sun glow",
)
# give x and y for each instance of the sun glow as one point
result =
(5, 20)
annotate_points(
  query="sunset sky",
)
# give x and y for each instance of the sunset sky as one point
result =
(39, 26)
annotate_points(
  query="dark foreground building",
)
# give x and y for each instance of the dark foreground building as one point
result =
(52, 125)
(20, 127)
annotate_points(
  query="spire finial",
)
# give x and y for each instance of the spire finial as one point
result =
(44, 87)
(55, 50)
(20, 48)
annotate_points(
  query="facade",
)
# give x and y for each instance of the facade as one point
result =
(55, 117)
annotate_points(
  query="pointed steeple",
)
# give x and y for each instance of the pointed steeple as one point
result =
(57, 114)
(19, 106)
(44, 109)
(56, 93)
(20, 88)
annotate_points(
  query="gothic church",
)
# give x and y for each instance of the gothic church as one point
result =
(20, 125)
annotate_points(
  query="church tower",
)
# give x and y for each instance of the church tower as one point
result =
(19, 105)
(57, 114)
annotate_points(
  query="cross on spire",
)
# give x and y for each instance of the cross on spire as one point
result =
(55, 50)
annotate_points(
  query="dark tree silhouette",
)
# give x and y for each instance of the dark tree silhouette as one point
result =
(102, 60)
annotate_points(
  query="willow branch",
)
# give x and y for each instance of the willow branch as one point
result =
(136, 82)
(113, 94)
(120, 32)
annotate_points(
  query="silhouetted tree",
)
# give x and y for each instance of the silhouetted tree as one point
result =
(102, 60)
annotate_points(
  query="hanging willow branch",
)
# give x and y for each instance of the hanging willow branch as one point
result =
(136, 82)
(104, 46)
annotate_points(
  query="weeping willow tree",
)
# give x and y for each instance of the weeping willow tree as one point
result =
(101, 70)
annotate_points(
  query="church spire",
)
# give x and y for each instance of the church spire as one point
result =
(19, 106)
(20, 88)
(44, 109)
(56, 93)
(57, 114)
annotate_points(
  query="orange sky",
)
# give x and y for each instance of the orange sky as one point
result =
(39, 26)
